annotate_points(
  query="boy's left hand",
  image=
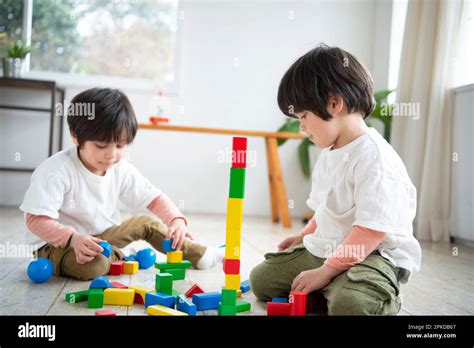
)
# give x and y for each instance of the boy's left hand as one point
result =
(178, 231)
(314, 279)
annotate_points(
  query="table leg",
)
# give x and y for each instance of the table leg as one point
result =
(271, 181)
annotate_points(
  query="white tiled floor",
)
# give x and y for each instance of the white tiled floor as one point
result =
(444, 285)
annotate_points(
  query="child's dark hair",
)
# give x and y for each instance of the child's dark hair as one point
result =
(321, 73)
(113, 116)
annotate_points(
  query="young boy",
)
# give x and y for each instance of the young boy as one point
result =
(72, 202)
(359, 243)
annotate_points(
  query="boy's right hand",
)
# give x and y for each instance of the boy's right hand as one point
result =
(290, 241)
(85, 247)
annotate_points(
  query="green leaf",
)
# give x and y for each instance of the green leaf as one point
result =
(292, 126)
(303, 154)
(382, 95)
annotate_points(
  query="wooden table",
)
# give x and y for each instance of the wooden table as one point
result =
(278, 198)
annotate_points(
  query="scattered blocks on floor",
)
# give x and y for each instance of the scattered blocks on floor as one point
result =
(232, 281)
(166, 244)
(107, 248)
(77, 296)
(146, 258)
(164, 283)
(178, 273)
(116, 267)
(100, 283)
(231, 266)
(164, 311)
(174, 256)
(158, 298)
(207, 300)
(163, 266)
(95, 298)
(185, 305)
(243, 306)
(118, 285)
(119, 297)
(195, 289)
(130, 267)
(245, 286)
(105, 313)
(298, 303)
(278, 309)
(140, 293)
(295, 306)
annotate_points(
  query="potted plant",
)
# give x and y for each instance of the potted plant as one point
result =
(382, 112)
(13, 62)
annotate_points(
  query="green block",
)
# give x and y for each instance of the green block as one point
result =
(226, 310)
(77, 296)
(96, 298)
(163, 266)
(229, 297)
(164, 283)
(243, 306)
(237, 183)
(178, 273)
(175, 293)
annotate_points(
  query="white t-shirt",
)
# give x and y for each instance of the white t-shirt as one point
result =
(64, 189)
(364, 183)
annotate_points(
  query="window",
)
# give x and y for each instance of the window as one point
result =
(134, 38)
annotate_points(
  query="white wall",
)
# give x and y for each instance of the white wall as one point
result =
(264, 37)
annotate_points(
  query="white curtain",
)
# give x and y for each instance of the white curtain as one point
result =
(423, 141)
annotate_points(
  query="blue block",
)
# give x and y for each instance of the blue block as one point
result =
(107, 248)
(280, 299)
(130, 258)
(245, 286)
(185, 305)
(158, 298)
(100, 283)
(167, 245)
(207, 300)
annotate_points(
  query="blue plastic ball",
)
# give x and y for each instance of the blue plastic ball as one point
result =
(40, 270)
(146, 258)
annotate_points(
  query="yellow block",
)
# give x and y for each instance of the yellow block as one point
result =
(234, 213)
(232, 251)
(239, 293)
(162, 310)
(141, 291)
(120, 297)
(174, 256)
(130, 267)
(232, 281)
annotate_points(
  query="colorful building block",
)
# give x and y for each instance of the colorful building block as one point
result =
(118, 285)
(100, 283)
(298, 303)
(231, 266)
(105, 313)
(130, 267)
(229, 297)
(226, 310)
(195, 289)
(163, 311)
(239, 293)
(140, 293)
(130, 258)
(167, 245)
(174, 256)
(164, 283)
(163, 266)
(234, 215)
(280, 299)
(237, 183)
(154, 298)
(278, 309)
(119, 297)
(207, 300)
(245, 286)
(77, 296)
(243, 306)
(232, 281)
(178, 273)
(185, 305)
(146, 258)
(239, 152)
(107, 248)
(116, 267)
(95, 298)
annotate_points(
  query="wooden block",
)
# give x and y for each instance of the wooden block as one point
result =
(226, 310)
(166, 245)
(130, 267)
(234, 214)
(163, 266)
(105, 313)
(95, 298)
(207, 300)
(140, 293)
(163, 311)
(119, 297)
(118, 285)
(232, 251)
(229, 297)
(278, 309)
(195, 289)
(185, 305)
(177, 273)
(245, 285)
(239, 152)
(99, 283)
(298, 303)
(280, 299)
(243, 306)
(77, 296)
(116, 267)
(164, 283)
(239, 293)
(154, 298)
(174, 256)
(232, 281)
(231, 266)
(237, 183)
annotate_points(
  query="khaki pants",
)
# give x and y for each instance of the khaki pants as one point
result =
(136, 228)
(368, 288)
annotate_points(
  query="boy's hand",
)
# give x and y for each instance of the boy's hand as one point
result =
(289, 242)
(85, 247)
(178, 231)
(314, 279)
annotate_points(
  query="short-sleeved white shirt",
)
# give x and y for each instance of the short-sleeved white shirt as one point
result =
(364, 183)
(64, 189)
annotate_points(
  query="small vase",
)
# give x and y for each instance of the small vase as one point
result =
(12, 67)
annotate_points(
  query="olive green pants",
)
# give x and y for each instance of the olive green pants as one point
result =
(368, 288)
(136, 228)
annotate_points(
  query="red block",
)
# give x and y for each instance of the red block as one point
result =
(195, 289)
(116, 268)
(239, 152)
(231, 266)
(105, 313)
(118, 285)
(278, 309)
(298, 303)
(138, 298)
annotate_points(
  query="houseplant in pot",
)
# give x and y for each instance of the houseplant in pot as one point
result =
(13, 62)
